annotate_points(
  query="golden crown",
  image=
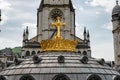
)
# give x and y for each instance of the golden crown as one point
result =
(58, 43)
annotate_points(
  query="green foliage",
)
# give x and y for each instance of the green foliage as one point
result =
(16, 50)
(0, 52)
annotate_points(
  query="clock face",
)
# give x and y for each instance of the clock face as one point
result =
(56, 13)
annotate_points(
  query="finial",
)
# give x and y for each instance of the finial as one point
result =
(24, 33)
(27, 30)
(88, 35)
(117, 2)
(0, 15)
(84, 30)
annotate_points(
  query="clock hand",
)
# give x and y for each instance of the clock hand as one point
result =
(53, 33)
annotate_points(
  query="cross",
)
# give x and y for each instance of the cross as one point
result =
(58, 24)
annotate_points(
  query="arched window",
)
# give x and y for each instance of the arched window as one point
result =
(33, 53)
(79, 52)
(2, 78)
(85, 53)
(116, 77)
(94, 77)
(27, 77)
(27, 53)
(61, 77)
(38, 52)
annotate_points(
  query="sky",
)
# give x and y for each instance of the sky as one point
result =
(95, 15)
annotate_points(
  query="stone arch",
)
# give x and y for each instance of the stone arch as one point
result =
(94, 77)
(116, 77)
(2, 78)
(79, 52)
(61, 77)
(27, 77)
(85, 53)
(38, 52)
(33, 53)
(27, 53)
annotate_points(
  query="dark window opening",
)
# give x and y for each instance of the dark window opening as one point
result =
(33, 53)
(85, 53)
(2, 78)
(61, 77)
(27, 53)
(38, 52)
(79, 52)
(94, 77)
(116, 78)
(27, 77)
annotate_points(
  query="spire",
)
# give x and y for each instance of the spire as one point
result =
(117, 2)
(27, 32)
(88, 38)
(85, 33)
(0, 15)
(24, 33)
(84, 30)
(88, 35)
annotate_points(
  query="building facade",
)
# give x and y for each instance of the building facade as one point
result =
(59, 58)
(116, 34)
(47, 13)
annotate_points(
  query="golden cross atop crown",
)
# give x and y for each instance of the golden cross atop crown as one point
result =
(58, 24)
(58, 43)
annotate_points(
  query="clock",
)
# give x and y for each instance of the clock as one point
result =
(56, 13)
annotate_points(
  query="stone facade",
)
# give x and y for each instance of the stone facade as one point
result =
(116, 34)
(47, 13)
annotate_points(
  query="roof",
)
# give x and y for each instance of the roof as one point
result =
(43, 5)
(49, 67)
(116, 10)
(32, 45)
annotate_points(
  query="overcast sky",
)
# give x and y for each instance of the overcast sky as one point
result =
(94, 14)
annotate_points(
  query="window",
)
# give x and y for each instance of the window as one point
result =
(61, 59)
(116, 77)
(27, 53)
(94, 77)
(56, 13)
(61, 77)
(2, 78)
(27, 77)
(79, 52)
(33, 53)
(38, 52)
(85, 53)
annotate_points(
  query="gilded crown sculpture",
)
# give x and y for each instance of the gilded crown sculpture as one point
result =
(58, 43)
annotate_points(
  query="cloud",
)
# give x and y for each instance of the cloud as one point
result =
(6, 43)
(108, 26)
(4, 19)
(103, 50)
(5, 5)
(79, 30)
(21, 16)
(107, 5)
